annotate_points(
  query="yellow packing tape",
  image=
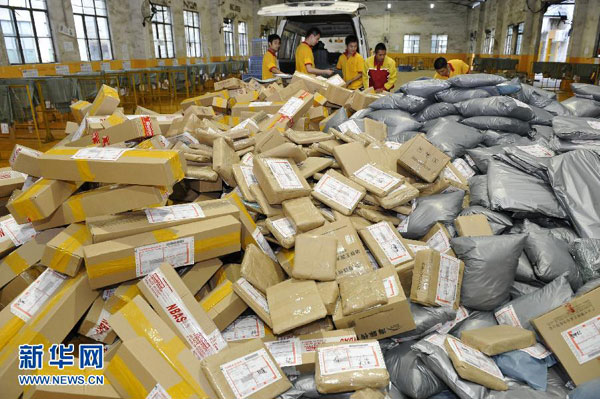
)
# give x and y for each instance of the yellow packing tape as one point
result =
(181, 390)
(76, 207)
(163, 235)
(120, 299)
(115, 119)
(217, 295)
(83, 167)
(24, 205)
(172, 156)
(63, 253)
(80, 104)
(105, 91)
(9, 330)
(124, 377)
(16, 263)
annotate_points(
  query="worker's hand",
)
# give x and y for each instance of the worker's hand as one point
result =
(328, 72)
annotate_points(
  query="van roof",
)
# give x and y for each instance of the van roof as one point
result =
(311, 8)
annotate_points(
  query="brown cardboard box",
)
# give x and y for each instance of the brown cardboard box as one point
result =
(220, 104)
(25, 160)
(315, 258)
(223, 158)
(283, 230)
(229, 271)
(201, 273)
(311, 82)
(79, 109)
(204, 100)
(289, 151)
(473, 226)
(472, 365)
(291, 111)
(270, 107)
(245, 371)
(113, 165)
(264, 207)
(256, 300)
(338, 192)
(130, 129)
(176, 305)
(18, 285)
(10, 181)
(337, 95)
(41, 199)
(387, 245)
(95, 323)
(231, 83)
(571, 333)
(104, 228)
(126, 258)
(330, 293)
(313, 165)
(294, 303)
(307, 137)
(317, 114)
(244, 177)
(362, 99)
(268, 139)
(303, 213)
(260, 270)
(223, 305)
(422, 158)
(438, 238)
(138, 320)
(285, 93)
(338, 371)
(279, 179)
(64, 253)
(401, 195)
(498, 339)
(382, 321)
(105, 391)
(437, 279)
(103, 201)
(376, 129)
(106, 101)
(118, 297)
(359, 293)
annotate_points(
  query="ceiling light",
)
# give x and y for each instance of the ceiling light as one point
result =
(431, 5)
(389, 6)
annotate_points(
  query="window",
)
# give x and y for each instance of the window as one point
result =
(411, 43)
(509, 39)
(26, 31)
(162, 32)
(488, 43)
(243, 39)
(439, 44)
(193, 43)
(228, 36)
(91, 26)
(520, 30)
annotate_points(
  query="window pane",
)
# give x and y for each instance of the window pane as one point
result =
(38, 4)
(79, 26)
(46, 49)
(90, 28)
(168, 35)
(14, 57)
(24, 23)
(170, 49)
(103, 28)
(41, 24)
(82, 50)
(29, 50)
(94, 50)
(106, 50)
(8, 28)
(17, 3)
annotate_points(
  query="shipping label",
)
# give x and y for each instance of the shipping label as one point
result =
(263, 244)
(244, 328)
(251, 373)
(439, 241)
(26, 305)
(178, 252)
(158, 392)
(447, 287)
(350, 357)
(248, 173)
(248, 159)
(290, 108)
(174, 212)
(286, 352)
(461, 314)
(100, 154)
(259, 104)
(395, 252)
(79, 132)
(437, 340)
(336, 80)
(463, 167)
(508, 316)
(256, 295)
(537, 351)
(311, 345)
(475, 358)
(100, 330)
(349, 126)
(284, 174)
(584, 339)
(392, 145)
(450, 175)
(285, 227)
(391, 287)
(338, 192)
(19, 234)
(416, 248)
(186, 138)
(376, 177)
(537, 150)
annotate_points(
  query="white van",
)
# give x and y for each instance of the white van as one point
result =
(335, 20)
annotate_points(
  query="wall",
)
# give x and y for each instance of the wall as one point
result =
(586, 21)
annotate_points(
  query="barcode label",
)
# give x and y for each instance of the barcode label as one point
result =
(177, 253)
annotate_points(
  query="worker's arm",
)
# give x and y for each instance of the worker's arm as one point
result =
(354, 79)
(392, 76)
(317, 71)
(365, 75)
(274, 70)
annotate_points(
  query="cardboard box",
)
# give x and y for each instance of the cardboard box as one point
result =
(10, 181)
(473, 226)
(41, 199)
(437, 279)
(498, 339)
(361, 99)
(138, 320)
(279, 179)
(270, 107)
(401, 195)
(337, 95)
(313, 165)
(317, 114)
(438, 238)
(104, 228)
(256, 300)
(338, 192)
(233, 372)
(105, 391)
(18, 285)
(228, 272)
(303, 213)
(204, 100)
(126, 258)
(130, 129)
(231, 83)
(95, 323)
(422, 158)
(362, 292)
(103, 201)
(113, 165)
(308, 266)
(386, 245)
(571, 333)
(201, 273)
(294, 303)
(260, 270)
(120, 296)
(311, 82)
(330, 293)
(25, 160)
(291, 111)
(64, 253)
(200, 112)
(106, 101)
(223, 305)
(382, 321)
(285, 93)
(79, 109)
(244, 177)
(176, 305)
(283, 230)
(289, 151)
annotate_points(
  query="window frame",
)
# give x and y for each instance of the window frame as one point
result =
(488, 42)
(436, 47)
(87, 40)
(508, 42)
(412, 43)
(229, 47)
(192, 44)
(242, 39)
(17, 36)
(155, 26)
(519, 42)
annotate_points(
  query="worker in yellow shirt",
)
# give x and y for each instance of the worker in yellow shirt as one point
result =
(270, 64)
(447, 69)
(351, 63)
(305, 60)
(379, 70)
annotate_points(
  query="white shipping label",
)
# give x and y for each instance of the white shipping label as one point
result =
(100, 330)
(11, 174)
(164, 141)
(475, 358)
(537, 150)
(256, 295)
(19, 234)
(392, 145)
(180, 316)
(37, 294)
(284, 174)
(100, 154)
(176, 252)
(311, 345)
(251, 373)
(389, 242)
(259, 104)
(594, 124)
(285, 227)
(403, 226)
(248, 173)
(242, 328)
(470, 161)
(158, 392)
(186, 138)
(391, 287)
(349, 126)
(437, 340)
(450, 175)
(248, 159)
(338, 192)
(286, 352)
(447, 286)
(439, 241)
(350, 357)
(262, 242)
(376, 177)
(461, 314)
(416, 248)
(20, 149)
(107, 293)
(174, 212)
(4, 129)
(291, 107)
(463, 167)
(538, 351)
(508, 316)
(584, 339)
(336, 80)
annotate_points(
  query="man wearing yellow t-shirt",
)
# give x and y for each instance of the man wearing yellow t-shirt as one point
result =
(270, 64)
(351, 63)
(447, 69)
(305, 60)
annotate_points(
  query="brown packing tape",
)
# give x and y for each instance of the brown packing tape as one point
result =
(16, 263)
(217, 295)
(63, 252)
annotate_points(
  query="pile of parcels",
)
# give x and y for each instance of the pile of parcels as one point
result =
(310, 241)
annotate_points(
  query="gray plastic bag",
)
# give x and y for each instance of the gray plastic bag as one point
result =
(401, 137)
(483, 156)
(502, 123)
(493, 138)
(576, 128)
(401, 101)
(519, 289)
(477, 319)
(565, 146)
(437, 360)
(498, 221)
(409, 374)
(428, 125)
(519, 390)
(479, 191)
(397, 121)
(586, 252)
(575, 180)
(586, 90)
(425, 87)
(454, 138)
(340, 117)
(490, 268)
(512, 190)
(541, 116)
(431, 209)
(542, 132)
(582, 107)
(587, 390)
(529, 306)
(525, 272)
(534, 96)
(476, 80)
(495, 106)
(436, 110)
(587, 287)
(427, 319)
(524, 367)
(455, 95)
(557, 108)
